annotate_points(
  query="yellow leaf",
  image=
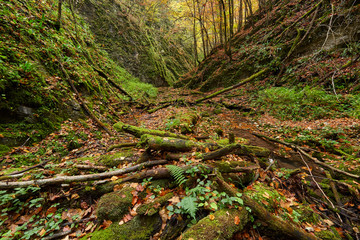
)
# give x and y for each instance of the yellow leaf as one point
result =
(42, 232)
(211, 217)
(114, 178)
(75, 196)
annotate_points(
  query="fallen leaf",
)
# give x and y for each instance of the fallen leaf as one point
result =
(211, 217)
(106, 224)
(75, 196)
(114, 178)
(23, 219)
(328, 222)
(51, 210)
(237, 220)
(42, 232)
(174, 200)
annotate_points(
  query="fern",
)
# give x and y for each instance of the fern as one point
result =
(177, 173)
(189, 205)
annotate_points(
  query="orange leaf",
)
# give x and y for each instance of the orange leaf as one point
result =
(211, 217)
(237, 220)
(42, 232)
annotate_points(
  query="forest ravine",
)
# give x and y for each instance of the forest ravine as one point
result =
(259, 140)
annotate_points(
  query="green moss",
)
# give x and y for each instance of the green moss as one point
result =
(221, 227)
(113, 206)
(114, 160)
(139, 228)
(3, 149)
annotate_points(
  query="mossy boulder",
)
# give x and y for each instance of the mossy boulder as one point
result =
(139, 228)
(182, 122)
(113, 206)
(220, 225)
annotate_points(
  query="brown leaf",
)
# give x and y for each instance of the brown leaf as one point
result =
(106, 224)
(42, 232)
(51, 210)
(23, 219)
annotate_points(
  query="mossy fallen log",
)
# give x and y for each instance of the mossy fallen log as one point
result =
(275, 224)
(220, 225)
(173, 144)
(138, 131)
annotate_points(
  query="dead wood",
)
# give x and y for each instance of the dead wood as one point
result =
(121, 145)
(138, 131)
(161, 173)
(249, 79)
(274, 223)
(81, 101)
(81, 178)
(315, 160)
(173, 144)
(89, 167)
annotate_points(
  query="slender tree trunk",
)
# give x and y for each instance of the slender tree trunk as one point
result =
(194, 34)
(221, 24)
(240, 15)
(58, 21)
(214, 23)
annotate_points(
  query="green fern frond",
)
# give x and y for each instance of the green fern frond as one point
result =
(177, 173)
(189, 205)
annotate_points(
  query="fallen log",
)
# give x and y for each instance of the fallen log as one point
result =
(249, 79)
(173, 144)
(273, 223)
(138, 131)
(315, 160)
(81, 178)
(121, 145)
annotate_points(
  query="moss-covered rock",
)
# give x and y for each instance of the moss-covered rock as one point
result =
(221, 225)
(113, 206)
(139, 228)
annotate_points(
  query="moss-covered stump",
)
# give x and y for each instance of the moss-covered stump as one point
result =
(154, 207)
(138, 131)
(182, 122)
(225, 223)
(139, 228)
(113, 206)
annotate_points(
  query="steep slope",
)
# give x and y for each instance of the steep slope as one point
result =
(145, 47)
(39, 63)
(302, 42)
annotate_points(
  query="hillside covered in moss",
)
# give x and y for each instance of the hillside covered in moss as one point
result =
(38, 61)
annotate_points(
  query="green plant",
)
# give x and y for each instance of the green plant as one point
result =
(177, 173)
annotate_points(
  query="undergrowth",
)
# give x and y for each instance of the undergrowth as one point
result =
(307, 103)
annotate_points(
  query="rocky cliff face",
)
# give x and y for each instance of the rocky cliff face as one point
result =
(302, 42)
(139, 45)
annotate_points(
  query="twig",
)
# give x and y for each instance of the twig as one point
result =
(318, 186)
(29, 168)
